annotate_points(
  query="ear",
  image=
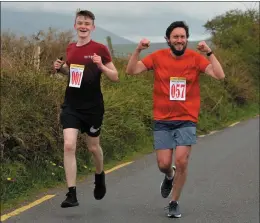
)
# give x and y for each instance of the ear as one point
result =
(167, 40)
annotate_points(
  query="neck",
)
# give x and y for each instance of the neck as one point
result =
(83, 41)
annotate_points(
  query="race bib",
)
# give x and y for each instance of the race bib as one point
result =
(177, 89)
(76, 74)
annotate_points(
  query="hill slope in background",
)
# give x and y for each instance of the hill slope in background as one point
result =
(24, 23)
(121, 50)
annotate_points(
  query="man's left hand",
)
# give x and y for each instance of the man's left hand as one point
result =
(203, 47)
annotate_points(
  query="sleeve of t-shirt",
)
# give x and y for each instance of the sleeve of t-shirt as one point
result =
(105, 55)
(202, 63)
(67, 53)
(148, 62)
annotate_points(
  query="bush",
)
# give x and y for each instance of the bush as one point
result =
(238, 33)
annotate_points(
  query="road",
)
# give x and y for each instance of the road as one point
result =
(222, 187)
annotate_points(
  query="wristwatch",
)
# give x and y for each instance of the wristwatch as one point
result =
(208, 54)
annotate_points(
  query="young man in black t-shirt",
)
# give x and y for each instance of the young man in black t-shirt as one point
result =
(83, 106)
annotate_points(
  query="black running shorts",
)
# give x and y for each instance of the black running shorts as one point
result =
(86, 122)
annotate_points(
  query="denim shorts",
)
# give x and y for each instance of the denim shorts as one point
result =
(169, 134)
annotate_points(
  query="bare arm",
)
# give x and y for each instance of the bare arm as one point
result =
(134, 65)
(64, 69)
(61, 67)
(110, 71)
(214, 69)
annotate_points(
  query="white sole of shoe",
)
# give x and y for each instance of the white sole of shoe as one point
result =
(174, 216)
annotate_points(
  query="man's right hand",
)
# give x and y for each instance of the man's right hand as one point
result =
(144, 44)
(57, 64)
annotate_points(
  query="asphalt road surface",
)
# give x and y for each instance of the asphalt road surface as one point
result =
(222, 187)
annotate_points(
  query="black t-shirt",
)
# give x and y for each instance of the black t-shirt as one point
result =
(83, 91)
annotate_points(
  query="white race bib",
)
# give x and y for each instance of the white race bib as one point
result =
(76, 74)
(177, 89)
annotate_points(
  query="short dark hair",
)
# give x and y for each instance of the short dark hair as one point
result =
(177, 24)
(85, 13)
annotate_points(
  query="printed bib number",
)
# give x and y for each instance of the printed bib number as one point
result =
(177, 89)
(76, 74)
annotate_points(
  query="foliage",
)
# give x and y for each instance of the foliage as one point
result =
(238, 33)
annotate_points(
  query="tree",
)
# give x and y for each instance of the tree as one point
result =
(238, 31)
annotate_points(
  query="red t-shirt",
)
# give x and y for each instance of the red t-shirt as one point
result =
(85, 93)
(182, 100)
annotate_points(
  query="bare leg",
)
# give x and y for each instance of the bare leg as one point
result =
(181, 162)
(164, 161)
(100, 185)
(94, 147)
(70, 165)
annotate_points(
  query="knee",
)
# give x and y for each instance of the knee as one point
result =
(164, 165)
(69, 147)
(94, 148)
(181, 164)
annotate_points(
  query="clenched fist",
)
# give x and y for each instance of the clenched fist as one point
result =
(97, 60)
(58, 63)
(203, 47)
(144, 44)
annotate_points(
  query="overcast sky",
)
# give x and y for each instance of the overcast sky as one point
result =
(135, 20)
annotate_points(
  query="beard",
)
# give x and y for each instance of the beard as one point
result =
(177, 52)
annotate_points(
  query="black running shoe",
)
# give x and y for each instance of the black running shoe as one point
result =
(100, 186)
(166, 185)
(173, 210)
(70, 201)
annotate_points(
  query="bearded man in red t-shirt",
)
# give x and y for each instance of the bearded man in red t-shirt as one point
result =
(83, 107)
(176, 102)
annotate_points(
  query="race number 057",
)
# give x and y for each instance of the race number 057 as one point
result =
(178, 90)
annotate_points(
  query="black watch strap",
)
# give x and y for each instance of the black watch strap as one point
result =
(208, 54)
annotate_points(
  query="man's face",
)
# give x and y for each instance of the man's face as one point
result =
(84, 26)
(178, 41)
